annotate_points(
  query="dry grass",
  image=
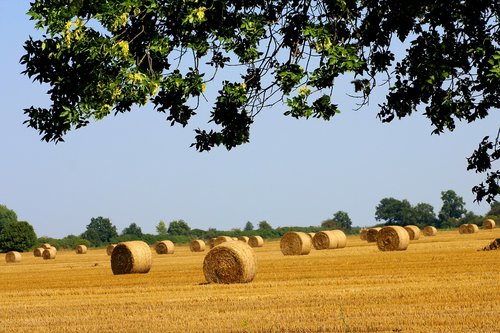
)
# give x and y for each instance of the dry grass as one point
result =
(436, 285)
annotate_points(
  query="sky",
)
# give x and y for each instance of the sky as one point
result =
(136, 168)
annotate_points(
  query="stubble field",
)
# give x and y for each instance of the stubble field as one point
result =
(440, 284)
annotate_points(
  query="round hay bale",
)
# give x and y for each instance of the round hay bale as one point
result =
(109, 249)
(472, 228)
(311, 234)
(371, 234)
(430, 231)
(234, 238)
(131, 257)
(413, 231)
(362, 233)
(244, 239)
(45, 246)
(462, 229)
(489, 224)
(164, 247)
(81, 249)
(341, 238)
(211, 242)
(197, 245)
(230, 262)
(38, 251)
(13, 256)
(295, 243)
(256, 241)
(49, 253)
(222, 239)
(393, 238)
(325, 240)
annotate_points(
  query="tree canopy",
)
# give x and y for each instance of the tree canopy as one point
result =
(100, 231)
(100, 58)
(7, 216)
(17, 236)
(179, 227)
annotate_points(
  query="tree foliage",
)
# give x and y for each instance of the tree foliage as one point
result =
(394, 212)
(7, 216)
(179, 227)
(100, 231)
(99, 58)
(17, 236)
(133, 229)
(340, 220)
(248, 226)
(453, 206)
(161, 228)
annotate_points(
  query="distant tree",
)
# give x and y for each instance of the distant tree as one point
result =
(343, 220)
(17, 236)
(133, 229)
(71, 241)
(329, 224)
(6, 216)
(161, 228)
(394, 212)
(264, 225)
(248, 226)
(100, 231)
(179, 227)
(453, 206)
(494, 209)
(423, 215)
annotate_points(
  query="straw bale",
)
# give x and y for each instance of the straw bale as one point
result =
(13, 256)
(38, 251)
(244, 239)
(256, 241)
(311, 234)
(295, 243)
(462, 229)
(413, 231)
(325, 240)
(109, 249)
(393, 238)
(371, 234)
(81, 249)
(495, 245)
(230, 262)
(131, 257)
(222, 239)
(362, 233)
(197, 245)
(472, 228)
(45, 246)
(164, 247)
(49, 253)
(489, 224)
(211, 242)
(430, 231)
(341, 238)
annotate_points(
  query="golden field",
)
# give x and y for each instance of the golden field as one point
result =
(440, 284)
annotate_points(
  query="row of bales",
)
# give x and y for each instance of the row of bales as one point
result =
(470, 228)
(45, 251)
(301, 243)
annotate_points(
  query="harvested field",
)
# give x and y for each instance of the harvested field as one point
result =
(436, 285)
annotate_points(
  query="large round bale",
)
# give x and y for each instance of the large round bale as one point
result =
(197, 245)
(131, 257)
(413, 231)
(256, 241)
(13, 256)
(81, 249)
(393, 238)
(110, 248)
(472, 228)
(311, 234)
(164, 247)
(362, 233)
(371, 234)
(244, 239)
(230, 262)
(325, 240)
(430, 231)
(295, 243)
(45, 246)
(462, 229)
(342, 238)
(489, 224)
(49, 253)
(222, 239)
(38, 251)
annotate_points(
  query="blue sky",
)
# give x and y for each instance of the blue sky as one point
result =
(137, 168)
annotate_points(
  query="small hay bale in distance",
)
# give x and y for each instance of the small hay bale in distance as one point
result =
(489, 224)
(472, 228)
(362, 233)
(244, 239)
(131, 257)
(109, 249)
(49, 253)
(393, 238)
(211, 242)
(222, 239)
(413, 231)
(164, 247)
(430, 231)
(38, 251)
(13, 256)
(325, 240)
(230, 262)
(45, 246)
(197, 245)
(371, 234)
(256, 241)
(295, 243)
(81, 249)
(462, 229)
